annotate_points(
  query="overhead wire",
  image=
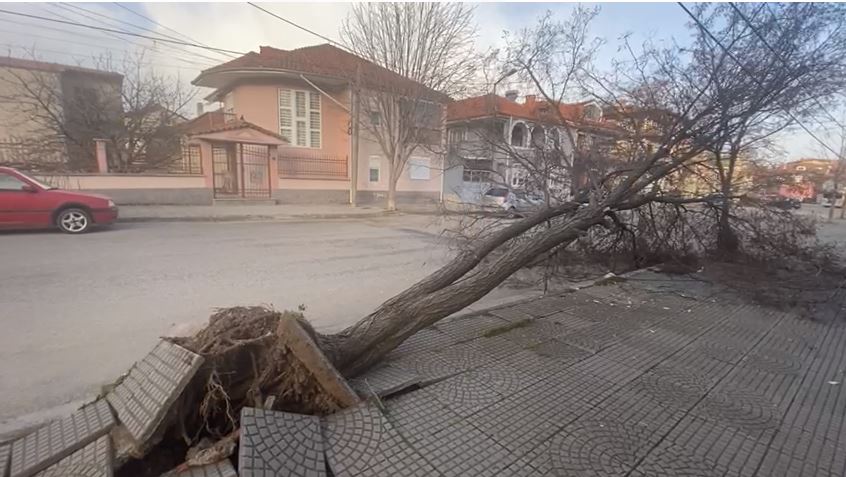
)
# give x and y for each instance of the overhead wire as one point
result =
(752, 76)
(120, 32)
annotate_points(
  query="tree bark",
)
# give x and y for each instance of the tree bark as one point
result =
(365, 343)
(392, 190)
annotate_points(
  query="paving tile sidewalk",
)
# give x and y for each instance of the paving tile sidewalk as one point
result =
(221, 213)
(651, 377)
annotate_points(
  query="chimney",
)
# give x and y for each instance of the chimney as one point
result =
(199, 109)
(512, 94)
(530, 99)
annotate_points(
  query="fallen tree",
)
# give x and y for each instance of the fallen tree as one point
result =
(666, 116)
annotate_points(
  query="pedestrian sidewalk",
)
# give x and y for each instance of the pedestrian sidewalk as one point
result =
(222, 213)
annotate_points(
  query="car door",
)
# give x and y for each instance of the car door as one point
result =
(19, 207)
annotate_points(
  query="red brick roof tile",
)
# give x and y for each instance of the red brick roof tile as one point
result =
(324, 60)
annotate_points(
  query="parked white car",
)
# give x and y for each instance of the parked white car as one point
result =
(500, 199)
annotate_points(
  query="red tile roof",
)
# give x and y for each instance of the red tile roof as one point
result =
(532, 109)
(215, 121)
(323, 60)
(24, 64)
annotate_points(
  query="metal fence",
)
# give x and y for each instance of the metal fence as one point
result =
(312, 166)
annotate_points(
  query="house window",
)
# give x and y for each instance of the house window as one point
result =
(477, 170)
(375, 166)
(518, 134)
(456, 135)
(375, 118)
(299, 117)
(419, 168)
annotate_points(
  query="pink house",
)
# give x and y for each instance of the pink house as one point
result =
(284, 131)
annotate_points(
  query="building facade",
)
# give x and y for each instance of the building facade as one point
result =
(50, 114)
(306, 96)
(494, 140)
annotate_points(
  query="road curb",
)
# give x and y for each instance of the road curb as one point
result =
(255, 218)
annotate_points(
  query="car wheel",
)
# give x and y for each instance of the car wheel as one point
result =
(73, 221)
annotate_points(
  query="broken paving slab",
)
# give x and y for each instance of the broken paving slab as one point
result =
(385, 380)
(93, 460)
(56, 440)
(360, 442)
(145, 395)
(218, 469)
(280, 443)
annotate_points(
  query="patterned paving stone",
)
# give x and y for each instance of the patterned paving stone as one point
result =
(466, 356)
(426, 339)
(673, 461)
(670, 387)
(597, 337)
(218, 469)
(58, 439)
(636, 409)
(560, 351)
(598, 448)
(280, 443)
(469, 327)
(544, 306)
(795, 452)
(612, 372)
(93, 460)
(418, 414)
(726, 447)
(523, 421)
(147, 392)
(748, 411)
(361, 442)
(523, 369)
(567, 321)
(511, 313)
(497, 347)
(461, 450)
(521, 468)
(384, 380)
(468, 392)
(428, 366)
(533, 333)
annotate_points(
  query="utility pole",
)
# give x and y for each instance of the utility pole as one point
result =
(355, 94)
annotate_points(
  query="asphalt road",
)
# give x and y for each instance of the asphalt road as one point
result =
(77, 311)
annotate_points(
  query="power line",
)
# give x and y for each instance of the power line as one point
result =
(751, 76)
(165, 27)
(289, 22)
(153, 49)
(121, 39)
(84, 57)
(67, 6)
(121, 32)
(780, 58)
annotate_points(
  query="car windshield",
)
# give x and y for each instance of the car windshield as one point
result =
(36, 181)
(497, 192)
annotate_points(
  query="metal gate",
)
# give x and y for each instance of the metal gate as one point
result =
(241, 171)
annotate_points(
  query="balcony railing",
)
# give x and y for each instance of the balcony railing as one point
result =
(312, 166)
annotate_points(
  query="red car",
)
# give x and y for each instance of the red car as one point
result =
(26, 203)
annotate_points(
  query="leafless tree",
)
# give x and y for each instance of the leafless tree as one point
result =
(134, 110)
(429, 43)
(153, 106)
(797, 49)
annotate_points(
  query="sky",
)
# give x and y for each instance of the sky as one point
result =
(241, 28)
